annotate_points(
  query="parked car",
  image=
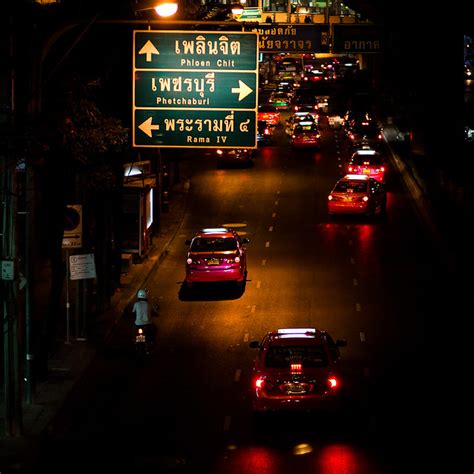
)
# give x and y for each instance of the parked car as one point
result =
(296, 369)
(216, 254)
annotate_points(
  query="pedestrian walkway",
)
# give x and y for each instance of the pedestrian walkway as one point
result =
(17, 454)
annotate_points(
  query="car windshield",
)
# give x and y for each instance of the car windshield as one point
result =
(281, 357)
(351, 187)
(213, 244)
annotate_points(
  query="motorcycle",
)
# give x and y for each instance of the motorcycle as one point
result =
(143, 344)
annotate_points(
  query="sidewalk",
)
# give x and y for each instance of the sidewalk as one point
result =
(17, 454)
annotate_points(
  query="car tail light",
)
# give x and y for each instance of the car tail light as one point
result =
(365, 198)
(333, 383)
(189, 261)
(296, 368)
(237, 259)
(259, 382)
(379, 136)
(266, 131)
(330, 197)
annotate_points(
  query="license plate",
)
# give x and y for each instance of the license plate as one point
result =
(213, 261)
(295, 388)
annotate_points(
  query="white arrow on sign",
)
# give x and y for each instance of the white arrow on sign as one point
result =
(243, 90)
(146, 127)
(148, 49)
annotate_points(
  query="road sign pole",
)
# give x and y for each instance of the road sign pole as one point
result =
(67, 298)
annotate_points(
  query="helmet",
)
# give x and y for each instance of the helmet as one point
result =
(142, 293)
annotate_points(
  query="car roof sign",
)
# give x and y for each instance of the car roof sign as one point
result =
(296, 332)
(358, 177)
(214, 230)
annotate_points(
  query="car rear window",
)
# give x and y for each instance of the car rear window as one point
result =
(351, 187)
(213, 244)
(371, 160)
(281, 357)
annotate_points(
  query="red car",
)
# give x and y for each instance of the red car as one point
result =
(216, 254)
(306, 134)
(367, 162)
(296, 369)
(357, 194)
(268, 113)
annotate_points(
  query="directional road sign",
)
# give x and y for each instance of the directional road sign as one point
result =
(195, 89)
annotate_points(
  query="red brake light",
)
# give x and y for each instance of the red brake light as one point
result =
(259, 382)
(333, 382)
(296, 368)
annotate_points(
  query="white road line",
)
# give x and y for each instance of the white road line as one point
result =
(358, 307)
(278, 192)
(350, 242)
(366, 372)
(355, 282)
(227, 423)
(270, 229)
(352, 260)
(362, 336)
(267, 244)
(246, 337)
(264, 263)
(274, 214)
(259, 283)
(237, 375)
(252, 309)
(276, 203)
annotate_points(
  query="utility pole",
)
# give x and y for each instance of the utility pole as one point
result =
(11, 366)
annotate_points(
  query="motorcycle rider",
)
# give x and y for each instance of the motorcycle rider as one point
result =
(142, 310)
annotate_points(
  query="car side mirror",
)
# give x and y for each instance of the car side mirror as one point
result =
(245, 240)
(187, 242)
(254, 344)
(341, 343)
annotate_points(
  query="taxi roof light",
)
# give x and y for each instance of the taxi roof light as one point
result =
(356, 177)
(213, 230)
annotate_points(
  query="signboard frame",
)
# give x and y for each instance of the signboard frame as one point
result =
(220, 104)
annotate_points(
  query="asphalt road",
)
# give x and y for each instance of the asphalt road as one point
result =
(380, 284)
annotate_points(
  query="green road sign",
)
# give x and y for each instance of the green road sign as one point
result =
(195, 128)
(184, 90)
(206, 80)
(195, 50)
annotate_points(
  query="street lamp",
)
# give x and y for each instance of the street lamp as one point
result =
(163, 8)
(237, 8)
